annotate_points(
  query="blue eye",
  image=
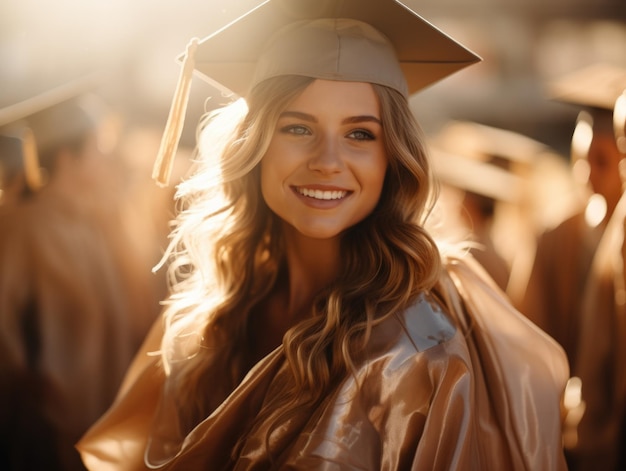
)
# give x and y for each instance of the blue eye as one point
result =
(362, 135)
(295, 129)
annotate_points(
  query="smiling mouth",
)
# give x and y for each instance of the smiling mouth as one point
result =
(322, 194)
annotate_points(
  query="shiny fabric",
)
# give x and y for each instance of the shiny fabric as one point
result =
(459, 381)
(601, 362)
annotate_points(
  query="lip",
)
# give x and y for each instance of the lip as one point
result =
(321, 196)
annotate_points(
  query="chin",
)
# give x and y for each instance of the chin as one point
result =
(320, 234)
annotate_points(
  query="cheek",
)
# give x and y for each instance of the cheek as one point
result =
(376, 177)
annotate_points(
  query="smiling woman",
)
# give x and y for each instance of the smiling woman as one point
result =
(313, 321)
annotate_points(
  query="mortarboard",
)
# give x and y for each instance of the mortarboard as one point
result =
(229, 57)
(483, 159)
(596, 86)
(489, 143)
(44, 121)
(384, 42)
(601, 89)
(476, 176)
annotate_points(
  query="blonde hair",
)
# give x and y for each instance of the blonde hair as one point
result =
(226, 249)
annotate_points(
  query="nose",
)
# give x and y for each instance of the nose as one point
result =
(326, 158)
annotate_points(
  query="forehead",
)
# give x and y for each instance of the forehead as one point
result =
(338, 97)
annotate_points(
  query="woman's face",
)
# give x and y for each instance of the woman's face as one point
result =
(324, 169)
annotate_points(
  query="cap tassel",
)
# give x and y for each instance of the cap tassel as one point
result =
(174, 127)
(32, 170)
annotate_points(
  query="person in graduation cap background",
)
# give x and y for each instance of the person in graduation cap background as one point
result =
(513, 186)
(562, 262)
(313, 322)
(601, 357)
(562, 295)
(76, 293)
(471, 192)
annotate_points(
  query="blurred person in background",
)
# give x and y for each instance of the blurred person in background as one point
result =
(470, 195)
(564, 253)
(599, 440)
(555, 295)
(76, 292)
(506, 179)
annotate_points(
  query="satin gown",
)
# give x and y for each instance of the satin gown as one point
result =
(459, 381)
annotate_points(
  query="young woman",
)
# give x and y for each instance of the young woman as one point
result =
(313, 321)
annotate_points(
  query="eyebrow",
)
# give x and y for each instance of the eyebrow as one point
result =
(349, 120)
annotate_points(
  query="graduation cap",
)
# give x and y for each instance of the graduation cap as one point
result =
(596, 86)
(376, 41)
(42, 122)
(488, 143)
(485, 160)
(600, 89)
(476, 176)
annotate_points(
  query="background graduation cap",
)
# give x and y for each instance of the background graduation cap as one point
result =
(596, 86)
(600, 91)
(37, 124)
(476, 176)
(228, 58)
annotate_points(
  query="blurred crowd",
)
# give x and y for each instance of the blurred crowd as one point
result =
(549, 229)
(83, 226)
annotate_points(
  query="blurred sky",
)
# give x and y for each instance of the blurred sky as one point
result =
(133, 43)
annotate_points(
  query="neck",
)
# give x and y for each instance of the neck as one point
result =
(312, 264)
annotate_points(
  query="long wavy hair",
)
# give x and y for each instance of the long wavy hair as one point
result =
(226, 249)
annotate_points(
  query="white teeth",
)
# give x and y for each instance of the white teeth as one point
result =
(322, 195)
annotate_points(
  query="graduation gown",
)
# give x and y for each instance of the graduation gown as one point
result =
(459, 381)
(601, 361)
(553, 295)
